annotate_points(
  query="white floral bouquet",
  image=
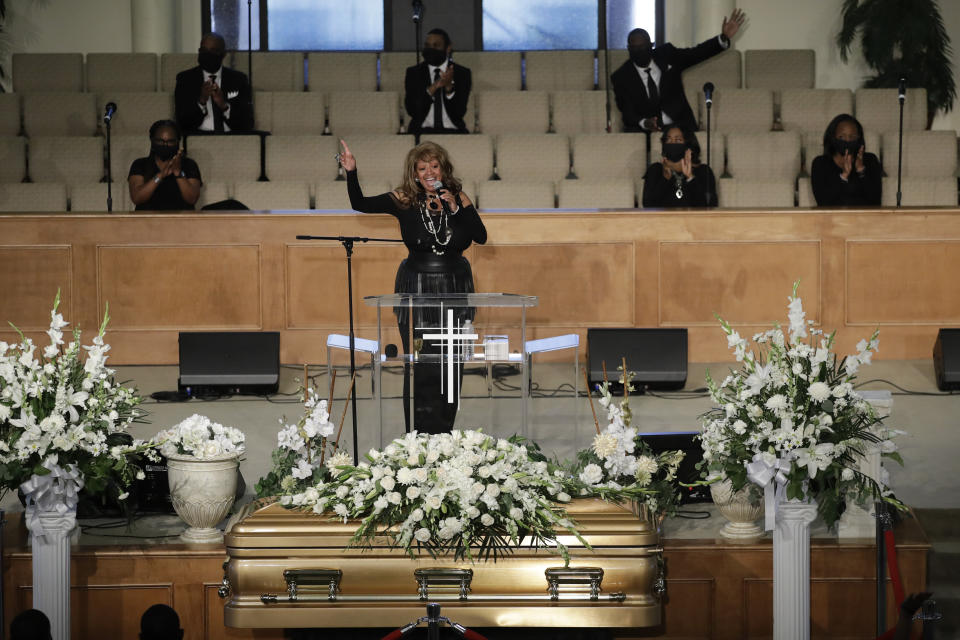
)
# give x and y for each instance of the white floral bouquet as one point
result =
(300, 459)
(621, 465)
(462, 492)
(789, 419)
(64, 419)
(200, 438)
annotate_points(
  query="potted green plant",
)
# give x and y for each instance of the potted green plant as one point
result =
(901, 40)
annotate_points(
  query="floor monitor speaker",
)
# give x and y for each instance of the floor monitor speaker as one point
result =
(946, 359)
(657, 358)
(229, 362)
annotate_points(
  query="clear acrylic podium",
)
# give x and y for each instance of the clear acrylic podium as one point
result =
(497, 313)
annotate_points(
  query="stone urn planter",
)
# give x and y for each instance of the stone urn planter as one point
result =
(741, 508)
(202, 492)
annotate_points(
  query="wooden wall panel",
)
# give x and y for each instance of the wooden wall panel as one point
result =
(316, 283)
(745, 282)
(903, 282)
(29, 279)
(212, 271)
(587, 284)
(208, 287)
(125, 602)
(680, 620)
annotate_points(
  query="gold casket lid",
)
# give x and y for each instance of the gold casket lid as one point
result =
(602, 524)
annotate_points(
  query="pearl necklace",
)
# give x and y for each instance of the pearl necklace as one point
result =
(435, 230)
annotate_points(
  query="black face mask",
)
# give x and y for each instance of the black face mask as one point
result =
(674, 151)
(640, 56)
(434, 57)
(209, 61)
(163, 152)
(851, 146)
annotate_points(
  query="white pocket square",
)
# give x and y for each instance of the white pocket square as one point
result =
(232, 94)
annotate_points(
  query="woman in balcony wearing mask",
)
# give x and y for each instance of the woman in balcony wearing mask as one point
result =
(679, 180)
(165, 180)
(846, 174)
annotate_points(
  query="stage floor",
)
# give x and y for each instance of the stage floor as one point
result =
(561, 424)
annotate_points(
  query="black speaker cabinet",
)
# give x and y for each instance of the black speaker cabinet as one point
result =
(687, 472)
(946, 359)
(656, 357)
(229, 362)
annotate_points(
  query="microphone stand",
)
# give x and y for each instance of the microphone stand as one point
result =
(709, 106)
(348, 242)
(106, 122)
(901, 97)
(250, 44)
(417, 26)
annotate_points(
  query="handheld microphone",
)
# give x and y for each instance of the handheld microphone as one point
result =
(438, 186)
(708, 93)
(417, 10)
(902, 90)
(109, 110)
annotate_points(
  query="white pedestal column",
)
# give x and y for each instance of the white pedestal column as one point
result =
(51, 569)
(791, 570)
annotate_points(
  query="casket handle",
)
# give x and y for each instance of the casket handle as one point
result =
(574, 579)
(296, 578)
(443, 579)
(224, 589)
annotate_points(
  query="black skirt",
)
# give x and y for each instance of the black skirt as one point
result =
(433, 274)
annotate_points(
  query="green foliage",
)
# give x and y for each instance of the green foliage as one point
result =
(902, 39)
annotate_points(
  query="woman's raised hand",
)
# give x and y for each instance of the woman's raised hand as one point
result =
(347, 161)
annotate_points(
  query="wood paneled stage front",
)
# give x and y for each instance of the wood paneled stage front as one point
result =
(715, 588)
(163, 273)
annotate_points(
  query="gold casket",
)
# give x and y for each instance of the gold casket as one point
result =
(290, 569)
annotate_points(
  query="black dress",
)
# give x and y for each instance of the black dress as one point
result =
(660, 192)
(830, 190)
(430, 267)
(167, 196)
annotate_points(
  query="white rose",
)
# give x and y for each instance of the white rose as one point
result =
(422, 534)
(416, 515)
(387, 483)
(516, 514)
(492, 490)
(591, 474)
(413, 493)
(420, 475)
(846, 474)
(486, 520)
(563, 497)
(434, 501)
(141, 475)
(394, 497)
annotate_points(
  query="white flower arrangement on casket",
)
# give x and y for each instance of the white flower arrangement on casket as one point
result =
(64, 419)
(462, 493)
(201, 438)
(300, 460)
(621, 466)
(789, 419)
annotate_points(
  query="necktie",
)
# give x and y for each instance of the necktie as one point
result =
(217, 114)
(437, 103)
(652, 90)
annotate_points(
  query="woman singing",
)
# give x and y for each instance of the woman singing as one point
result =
(437, 223)
(679, 180)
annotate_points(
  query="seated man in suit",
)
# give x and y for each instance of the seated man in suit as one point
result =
(436, 89)
(648, 88)
(211, 97)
